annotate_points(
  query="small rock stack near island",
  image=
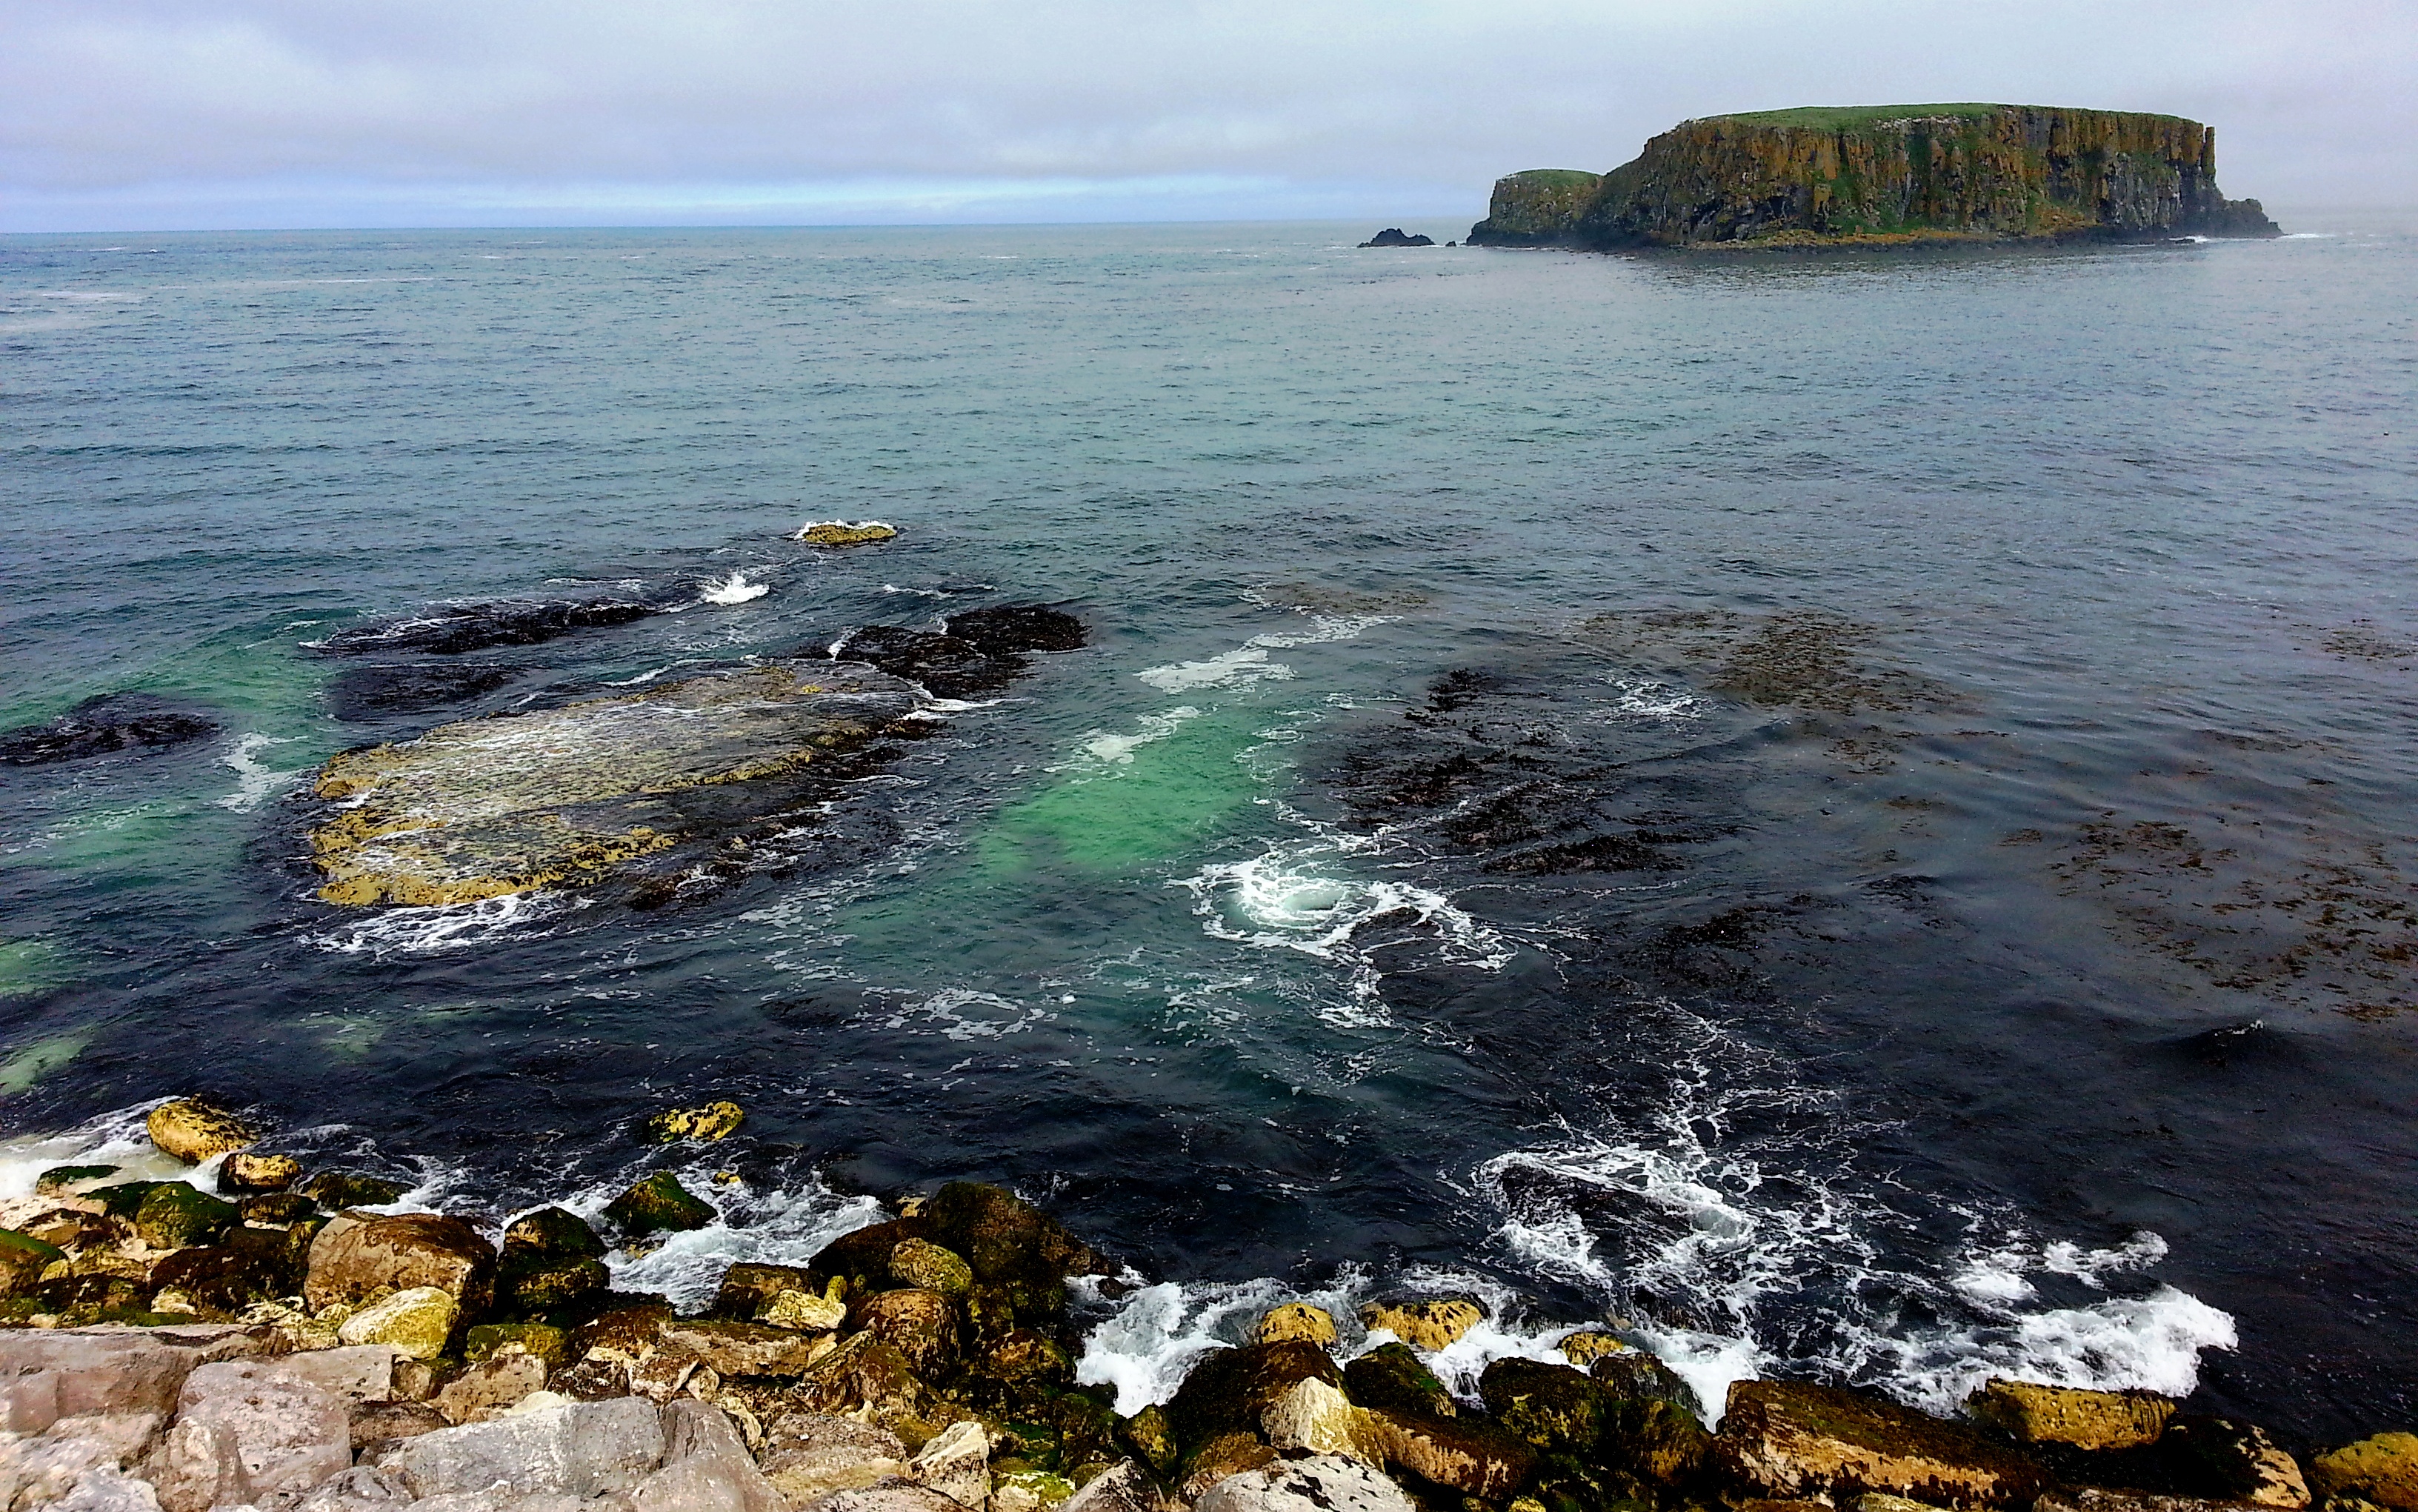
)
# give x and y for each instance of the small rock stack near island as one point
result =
(1876, 174)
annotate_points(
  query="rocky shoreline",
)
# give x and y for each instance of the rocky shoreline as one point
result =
(290, 1342)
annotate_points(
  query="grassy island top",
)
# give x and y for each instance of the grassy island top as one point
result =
(1848, 117)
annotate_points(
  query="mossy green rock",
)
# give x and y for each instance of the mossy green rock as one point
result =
(552, 1262)
(63, 1177)
(1392, 1377)
(1152, 1438)
(23, 1261)
(1552, 1406)
(919, 1263)
(122, 1201)
(546, 1342)
(863, 1257)
(175, 1214)
(659, 1203)
(1009, 1242)
(1228, 1390)
(1884, 174)
(337, 1190)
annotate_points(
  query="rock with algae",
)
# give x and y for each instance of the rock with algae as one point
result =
(488, 807)
(845, 532)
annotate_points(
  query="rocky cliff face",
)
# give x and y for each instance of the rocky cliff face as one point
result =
(1886, 173)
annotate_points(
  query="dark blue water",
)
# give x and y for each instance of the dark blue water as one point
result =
(1850, 813)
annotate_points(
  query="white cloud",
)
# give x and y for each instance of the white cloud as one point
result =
(412, 110)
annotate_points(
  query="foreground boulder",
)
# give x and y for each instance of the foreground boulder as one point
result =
(248, 1430)
(46, 1375)
(1793, 1441)
(354, 1258)
(577, 1449)
(2382, 1469)
(1325, 1483)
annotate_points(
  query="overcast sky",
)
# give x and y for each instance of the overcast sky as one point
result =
(143, 114)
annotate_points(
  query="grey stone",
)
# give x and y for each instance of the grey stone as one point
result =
(361, 1489)
(47, 1374)
(364, 1373)
(808, 1456)
(38, 1472)
(706, 1467)
(1323, 1483)
(268, 1430)
(887, 1496)
(106, 1488)
(375, 1423)
(487, 1388)
(1123, 1488)
(957, 1465)
(579, 1449)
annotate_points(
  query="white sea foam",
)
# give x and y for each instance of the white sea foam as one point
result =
(1651, 702)
(1250, 662)
(428, 931)
(1119, 750)
(732, 590)
(114, 1139)
(961, 1014)
(775, 1227)
(254, 783)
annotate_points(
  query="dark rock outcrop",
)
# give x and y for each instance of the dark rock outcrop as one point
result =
(99, 727)
(372, 692)
(450, 628)
(1886, 173)
(1395, 237)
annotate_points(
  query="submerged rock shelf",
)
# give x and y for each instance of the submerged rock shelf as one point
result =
(306, 1346)
(1880, 175)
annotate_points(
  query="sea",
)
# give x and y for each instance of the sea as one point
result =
(1847, 816)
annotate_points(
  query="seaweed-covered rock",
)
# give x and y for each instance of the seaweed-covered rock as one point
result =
(1295, 1319)
(354, 1258)
(450, 628)
(552, 1262)
(1635, 1375)
(194, 1129)
(713, 1120)
(1655, 1440)
(279, 1209)
(544, 1340)
(921, 1324)
(245, 1265)
(660, 1202)
(949, 668)
(2381, 1469)
(1466, 1455)
(861, 1258)
(1152, 1438)
(2032, 1414)
(845, 533)
(379, 690)
(1586, 1346)
(60, 1179)
(1552, 1406)
(1429, 1322)
(748, 1288)
(23, 1261)
(486, 807)
(99, 727)
(1793, 1439)
(1007, 1241)
(805, 1311)
(1015, 629)
(175, 1214)
(918, 1262)
(863, 1377)
(1392, 1377)
(2233, 1461)
(337, 1190)
(1228, 1391)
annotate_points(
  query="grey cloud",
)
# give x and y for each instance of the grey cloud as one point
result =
(429, 103)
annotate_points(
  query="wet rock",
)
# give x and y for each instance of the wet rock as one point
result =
(659, 1203)
(580, 1449)
(2032, 1414)
(192, 1130)
(490, 1387)
(486, 807)
(1655, 1439)
(949, 668)
(918, 1262)
(415, 1323)
(245, 1172)
(1588, 1345)
(546, 1342)
(247, 1266)
(921, 1324)
(1394, 237)
(450, 628)
(748, 1289)
(247, 1430)
(1472, 1456)
(808, 1456)
(99, 727)
(1635, 1375)
(1028, 1490)
(1015, 629)
(385, 1422)
(1228, 1390)
(1321, 1483)
(48, 1374)
(863, 1257)
(706, 1467)
(957, 1465)
(337, 1190)
(2381, 1469)
(2234, 1461)
(375, 692)
(845, 533)
(23, 1261)
(1224, 1456)
(715, 1120)
(1312, 1416)
(353, 1259)
(1152, 1438)
(862, 1376)
(1552, 1406)
(175, 1214)
(1392, 1377)
(2098, 1499)
(744, 1348)
(552, 1262)
(1789, 1439)
(1431, 1323)
(1295, 1320)
(64, 1179)
(807, 1312)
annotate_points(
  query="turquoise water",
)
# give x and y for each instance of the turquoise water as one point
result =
(1851, 812)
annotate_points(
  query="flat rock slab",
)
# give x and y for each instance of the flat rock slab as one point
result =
(487, 807)
(99, 727)
(1323, 1483)
(47, 1374)
(577, 1449)
(1790, 1440)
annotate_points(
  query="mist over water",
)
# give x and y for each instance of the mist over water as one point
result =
(1849, 815)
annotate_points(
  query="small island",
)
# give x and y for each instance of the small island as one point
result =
(1885, 174)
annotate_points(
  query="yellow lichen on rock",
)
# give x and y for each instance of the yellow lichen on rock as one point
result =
(1434, 1324)
(1588, 1345)
(1296, 1320)
(845, 532)
(2033, 1414)
(715, 1120)
(192, 1130)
